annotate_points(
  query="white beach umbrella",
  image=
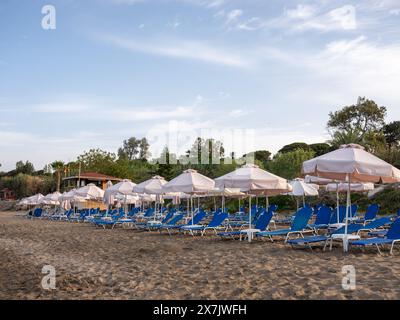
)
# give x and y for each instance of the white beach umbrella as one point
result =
(354, 187)
(151, 186)
(302, 189)
(90, 192)
(35, 200)
(190, 182)
(351, 163)
(317, 180)
(125, 188)
(52, 199)
(252, 179)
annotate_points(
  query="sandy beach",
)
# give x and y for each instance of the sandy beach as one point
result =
(93, 263)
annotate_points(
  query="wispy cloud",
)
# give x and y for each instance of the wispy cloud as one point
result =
(181, 49)
(305, 17)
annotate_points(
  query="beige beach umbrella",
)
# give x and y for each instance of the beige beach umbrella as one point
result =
(152, 186)
(190, 182)
(252, 179)
(124, 188)
(51, 199)
(90, 192)
(354, 187)
(35, 200)
(351, 163)
(302, 189)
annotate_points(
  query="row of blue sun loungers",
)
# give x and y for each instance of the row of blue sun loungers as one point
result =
(300, 233)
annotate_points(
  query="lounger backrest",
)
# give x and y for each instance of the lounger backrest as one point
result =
(351, 228)
(198, 217)
(323, 215)
(149, 212)
(354, 209)
(37, 213)
(342, 215)
(264, 220)
(372, 211)
(378, 223)
(301, 219)
(167, 217)
(394, 231)
(217, 220)
(273, 208)
(176, 219)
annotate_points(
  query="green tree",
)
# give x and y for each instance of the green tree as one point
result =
(288, 165)
(58, 167)
(391, 132)
(294, 146)
(352, 124)
(165, 164)
(26, 168)
(320, 148)
(98, 160)
(129, 149)
(144, 147)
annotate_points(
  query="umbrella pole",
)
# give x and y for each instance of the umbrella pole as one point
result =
(348, 203)
(191, 207)
(215, 205)
(337, 203)
(249, 235)
(267, 202)
(239, 205)
(304, 201)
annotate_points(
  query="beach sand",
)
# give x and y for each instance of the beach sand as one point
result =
(94, 263)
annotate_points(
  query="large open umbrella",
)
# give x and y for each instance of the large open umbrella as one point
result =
(124, 188)
(153, 186)
(302, 189)
(90, 192)
(190, 182)
(34, 200)
(351, 163)
(252, 179)
(51, 199)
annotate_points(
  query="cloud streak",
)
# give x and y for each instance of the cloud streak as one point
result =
(180, 49)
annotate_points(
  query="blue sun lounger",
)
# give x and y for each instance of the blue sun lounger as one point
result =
(351, 228)
(261, 224)
(392, 237)
(298, 226)
(370, 214)
(170, 225)
(215, 224)
(322, 219)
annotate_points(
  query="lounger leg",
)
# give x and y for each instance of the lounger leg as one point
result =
(379, 250)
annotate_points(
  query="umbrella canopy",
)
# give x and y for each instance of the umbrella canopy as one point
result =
(52, 199)
(317, 180)
(354, 163)
(151, 186)
(251, 179)
(301, 189)
(34, 200)
(351, 163)
(90, 192)
(190, 182)
(228, 192)
(125, 187)
(354, 187)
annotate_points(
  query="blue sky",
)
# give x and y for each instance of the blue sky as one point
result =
(112, 69)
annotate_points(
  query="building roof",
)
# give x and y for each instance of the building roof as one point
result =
(93, 176)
